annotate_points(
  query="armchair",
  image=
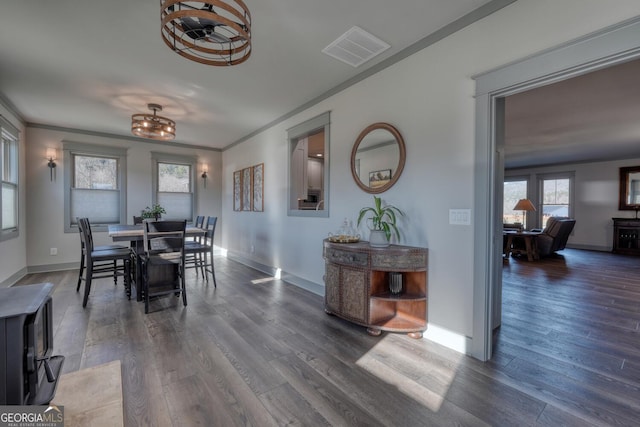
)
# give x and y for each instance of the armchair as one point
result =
(555, 235)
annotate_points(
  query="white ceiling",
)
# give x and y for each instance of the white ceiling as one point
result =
(592, 117)
(90, 65)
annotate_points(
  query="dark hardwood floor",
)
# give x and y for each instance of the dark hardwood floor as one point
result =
(257, 351)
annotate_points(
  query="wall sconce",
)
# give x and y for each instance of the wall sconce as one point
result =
(204, 174)
(51, 156)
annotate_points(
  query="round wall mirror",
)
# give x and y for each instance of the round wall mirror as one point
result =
(377, 158)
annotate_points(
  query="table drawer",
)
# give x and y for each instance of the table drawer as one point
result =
(390, 261)
(358, 259)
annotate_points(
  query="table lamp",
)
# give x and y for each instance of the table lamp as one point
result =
(524, 205)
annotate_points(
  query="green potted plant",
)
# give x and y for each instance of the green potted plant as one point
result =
(383, 222)
(154, 212)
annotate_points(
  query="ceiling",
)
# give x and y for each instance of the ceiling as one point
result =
(90, 65)
(592, 117)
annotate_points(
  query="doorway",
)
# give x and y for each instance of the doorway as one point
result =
(597, 51)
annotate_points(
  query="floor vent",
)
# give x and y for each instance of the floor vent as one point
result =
(356, 47)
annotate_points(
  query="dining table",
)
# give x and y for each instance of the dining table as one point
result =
(135, 235)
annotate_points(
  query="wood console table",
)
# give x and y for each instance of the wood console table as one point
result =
(357, 286)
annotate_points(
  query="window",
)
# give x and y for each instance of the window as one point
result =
(514, 190)
(556, 195)
(95, 188)
(173, 184)
(9, 188)
(309, 167)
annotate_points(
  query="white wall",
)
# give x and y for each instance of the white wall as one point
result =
(45, 199)
(13, 252)
(596, 187)
(429, 98)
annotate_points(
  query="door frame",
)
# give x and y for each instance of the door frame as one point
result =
(611, 46)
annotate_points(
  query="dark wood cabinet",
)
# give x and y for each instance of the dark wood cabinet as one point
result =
(626, 236)
(357, 286)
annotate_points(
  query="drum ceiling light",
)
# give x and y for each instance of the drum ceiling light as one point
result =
(213, 33)
(153, 126)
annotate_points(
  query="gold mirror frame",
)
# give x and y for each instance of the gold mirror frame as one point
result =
(401, 160)
(624, 203)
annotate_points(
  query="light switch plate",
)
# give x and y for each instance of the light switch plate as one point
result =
(460, 216)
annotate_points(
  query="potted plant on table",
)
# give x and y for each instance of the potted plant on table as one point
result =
(154, 212)
(383, 220)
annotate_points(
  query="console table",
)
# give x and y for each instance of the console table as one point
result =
(626, 236)
(357, 286)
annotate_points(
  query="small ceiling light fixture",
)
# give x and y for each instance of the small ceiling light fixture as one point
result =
(153, 126)
(51, 157)
(197, 31)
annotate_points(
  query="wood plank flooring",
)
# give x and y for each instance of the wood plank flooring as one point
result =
(260, 352)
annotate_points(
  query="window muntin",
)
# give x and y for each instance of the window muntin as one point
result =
(9, 185)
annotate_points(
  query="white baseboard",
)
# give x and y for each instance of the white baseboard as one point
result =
(11, 280)
(275, 272)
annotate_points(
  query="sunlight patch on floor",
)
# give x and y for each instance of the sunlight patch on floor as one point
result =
(268, 279)
(403, 366)
(263, 280)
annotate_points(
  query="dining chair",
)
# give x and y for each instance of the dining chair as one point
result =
(191, 258)
(102, 263)
(137, 220)
(200, 252)
(163, 260)
(83, 250)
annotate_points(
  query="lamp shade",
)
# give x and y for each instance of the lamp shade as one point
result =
(51, 154)
(524, 205)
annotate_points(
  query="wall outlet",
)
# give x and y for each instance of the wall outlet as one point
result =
(53, 251)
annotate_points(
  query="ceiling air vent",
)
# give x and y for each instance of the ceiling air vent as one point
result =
(356, 47)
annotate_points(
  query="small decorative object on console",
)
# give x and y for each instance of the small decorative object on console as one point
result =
(383, 219)
(345, 234)
(395, 283)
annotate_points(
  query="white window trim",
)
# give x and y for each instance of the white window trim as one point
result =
(557, 175)
(157, 157)
(12, 133)
(73, 148)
